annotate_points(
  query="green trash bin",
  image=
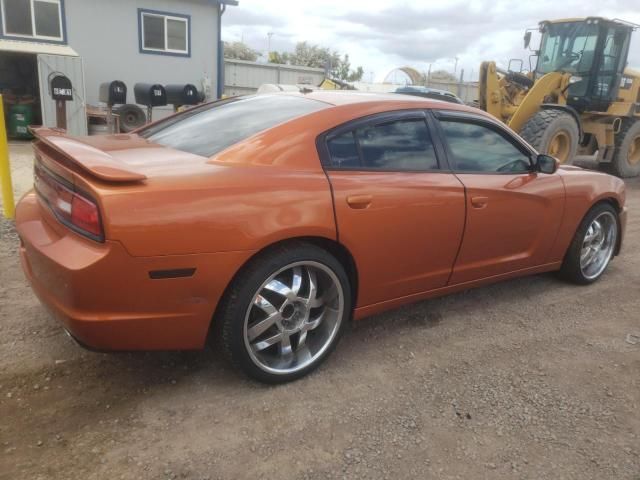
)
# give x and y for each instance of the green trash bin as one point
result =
(20, 117)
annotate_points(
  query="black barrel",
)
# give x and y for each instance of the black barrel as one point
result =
(113, 93)
(179, 94)
(151, 95)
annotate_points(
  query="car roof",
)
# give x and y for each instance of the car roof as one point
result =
(392, 100)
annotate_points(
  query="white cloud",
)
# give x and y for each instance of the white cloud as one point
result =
(382, 35)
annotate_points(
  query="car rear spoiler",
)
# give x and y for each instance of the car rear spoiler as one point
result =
(90, 159)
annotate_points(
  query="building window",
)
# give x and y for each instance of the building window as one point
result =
(33, 19)
(164, 33)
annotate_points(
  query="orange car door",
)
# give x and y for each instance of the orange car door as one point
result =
(398, 210)
(513, 212)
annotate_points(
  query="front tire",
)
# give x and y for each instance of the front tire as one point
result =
(554, 133)
(285, 312)
(593, 246)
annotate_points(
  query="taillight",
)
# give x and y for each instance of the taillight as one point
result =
(85, 216)
(72, 208)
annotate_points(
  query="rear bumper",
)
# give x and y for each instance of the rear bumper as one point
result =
(105, 297)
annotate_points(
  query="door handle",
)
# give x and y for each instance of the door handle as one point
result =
(479, 202)
(359, 201)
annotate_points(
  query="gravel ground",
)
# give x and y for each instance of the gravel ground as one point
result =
(531, 379)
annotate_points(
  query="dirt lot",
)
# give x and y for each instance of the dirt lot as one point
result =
(526, 379)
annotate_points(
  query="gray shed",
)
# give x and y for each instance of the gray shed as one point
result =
(96, 41)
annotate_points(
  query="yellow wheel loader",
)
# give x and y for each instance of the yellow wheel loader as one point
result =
(580, 100)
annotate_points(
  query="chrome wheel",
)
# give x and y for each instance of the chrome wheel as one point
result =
(293, 317)
(598, 245)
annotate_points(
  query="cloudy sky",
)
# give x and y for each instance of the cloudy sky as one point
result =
(382, 35)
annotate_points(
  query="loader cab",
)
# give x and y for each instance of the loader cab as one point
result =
(594, 50)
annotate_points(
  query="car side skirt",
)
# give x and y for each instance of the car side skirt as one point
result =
(368, 310)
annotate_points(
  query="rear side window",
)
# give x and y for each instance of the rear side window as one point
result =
(210, 129)
(344, 151)
(399, 145)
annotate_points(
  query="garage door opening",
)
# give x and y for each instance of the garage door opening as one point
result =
(26, 71)
(20, 90)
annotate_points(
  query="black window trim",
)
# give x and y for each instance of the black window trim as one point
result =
(467, 117)
(62, 40)
(142, 12)
(378, 119)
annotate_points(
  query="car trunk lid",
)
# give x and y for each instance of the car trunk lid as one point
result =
(74, 175)
(81, 155)
(114, 159)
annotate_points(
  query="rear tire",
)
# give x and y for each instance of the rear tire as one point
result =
(554, 133)
(285, 312)
(626, 159)
(593, 246)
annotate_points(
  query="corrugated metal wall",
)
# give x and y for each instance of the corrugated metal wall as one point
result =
(242, 77)
(72, 68)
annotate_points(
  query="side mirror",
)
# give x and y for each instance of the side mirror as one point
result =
(546, 164)
(527, 39)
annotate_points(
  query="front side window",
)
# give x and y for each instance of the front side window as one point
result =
(37, 19)
(399, 145)
(164, 33)
(479, 149)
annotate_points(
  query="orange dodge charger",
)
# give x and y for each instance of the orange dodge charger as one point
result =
(268, 222)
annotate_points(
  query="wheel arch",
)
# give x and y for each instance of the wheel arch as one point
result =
(615, 203)
(335, 248)
(611, 201)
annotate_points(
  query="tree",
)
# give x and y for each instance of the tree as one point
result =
(344, 72)
(240, 51)
(277, 57)
(315, 56)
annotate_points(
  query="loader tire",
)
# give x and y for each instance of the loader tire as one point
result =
(553, 132)
(626, 159)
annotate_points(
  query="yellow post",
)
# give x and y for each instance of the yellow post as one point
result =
(5, 171)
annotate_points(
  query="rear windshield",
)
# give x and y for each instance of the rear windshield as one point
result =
(210, 129)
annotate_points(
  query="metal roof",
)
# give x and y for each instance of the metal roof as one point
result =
(36, 47)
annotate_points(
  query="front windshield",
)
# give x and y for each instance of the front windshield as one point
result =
(568, 47)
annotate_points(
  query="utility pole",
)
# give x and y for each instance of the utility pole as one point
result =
(455, 68)
(269, 35)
